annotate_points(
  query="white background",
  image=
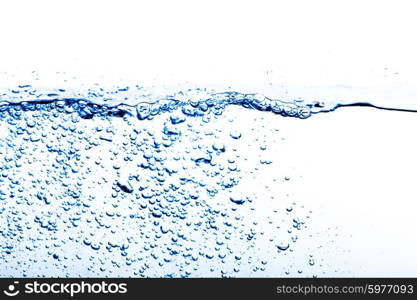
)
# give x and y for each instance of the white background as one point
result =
(346, 50)
(333, 50)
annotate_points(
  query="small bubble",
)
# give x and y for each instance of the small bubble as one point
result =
(235, 135)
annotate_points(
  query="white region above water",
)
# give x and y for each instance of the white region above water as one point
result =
(341, 51)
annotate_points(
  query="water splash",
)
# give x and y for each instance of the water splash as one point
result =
(125, 100)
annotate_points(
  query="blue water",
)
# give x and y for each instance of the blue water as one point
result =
(125, 183)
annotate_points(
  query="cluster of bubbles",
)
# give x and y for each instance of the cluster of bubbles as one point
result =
(177, 187)
(200, 106)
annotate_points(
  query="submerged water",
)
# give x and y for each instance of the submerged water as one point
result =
(192, 184)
